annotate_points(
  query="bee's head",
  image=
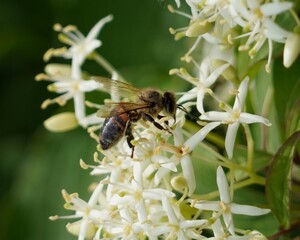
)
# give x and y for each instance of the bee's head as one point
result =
(170, 105)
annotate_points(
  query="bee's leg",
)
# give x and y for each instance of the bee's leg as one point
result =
(129, 138)
(160, 117)
(156, 124)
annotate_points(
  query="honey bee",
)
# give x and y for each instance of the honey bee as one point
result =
(119, 116)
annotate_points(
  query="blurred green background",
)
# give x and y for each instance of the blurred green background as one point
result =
(34, 163)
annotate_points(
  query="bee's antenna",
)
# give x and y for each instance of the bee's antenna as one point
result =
(192, 116)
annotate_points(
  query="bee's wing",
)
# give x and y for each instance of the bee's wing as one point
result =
(118, 87)
(116, 108)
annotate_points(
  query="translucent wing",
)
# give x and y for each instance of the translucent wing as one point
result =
(116, 108)
(120, 88)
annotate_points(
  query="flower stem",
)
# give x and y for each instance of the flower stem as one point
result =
(250, 147)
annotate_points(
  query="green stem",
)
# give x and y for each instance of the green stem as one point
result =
(247, 182)
(295, 16)
(265, 112)
(250, 147)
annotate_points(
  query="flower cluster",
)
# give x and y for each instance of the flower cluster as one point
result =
(228, 23)
(68, 80)
(151, 193)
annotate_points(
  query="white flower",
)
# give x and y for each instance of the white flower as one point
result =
(234, 117)
(225, 206)
(202, 85)
(258, 19)
(89, 213)
(178, 227)
(68, 88)
(80, 46)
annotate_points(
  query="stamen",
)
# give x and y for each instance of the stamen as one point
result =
(83, 165)
(41, 76)
(172, 10)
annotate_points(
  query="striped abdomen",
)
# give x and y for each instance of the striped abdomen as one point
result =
(112, 130)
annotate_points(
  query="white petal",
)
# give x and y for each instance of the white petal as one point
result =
(191, 94)
(208, 205)
(169, 210)
(83, 229)
(240, 98)
(274, 31)
(88, 86)
(88, 47)
(192, 223)
(178, 136)
(248, 210)
(79, 106)
(160, 229)
(269, 9)
(229, 222)
(91, 119)
(223, 186)
(160, 174)
(251, 118)
(157, 193)
(215, 74)
(217, 227)
(96, 29)
(253, 4)
(215, 116)
(188, 173)
(200, 97)
(193, 141)
(95, 195)
(230, 138)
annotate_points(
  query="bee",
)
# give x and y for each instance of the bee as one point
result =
(119, 116)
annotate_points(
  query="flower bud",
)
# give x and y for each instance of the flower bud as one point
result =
(291, 49)
(198, 28)
(61, 122)
(179, 183)
(74, 228)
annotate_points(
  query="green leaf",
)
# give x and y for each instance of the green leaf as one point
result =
(261, 159)
(286, 84)
(279, 180)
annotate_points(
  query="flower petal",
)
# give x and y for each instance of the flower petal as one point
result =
(207, 205)
(200, 97)
(230, 138)
(251, 118)
(193, 141)
(227, 216)
(223, 186)
(274, 31)
(188, 173)
(215, 116)
(248, 210)
(96, 29)
(215, 74)
(240, 98)
(269, 9)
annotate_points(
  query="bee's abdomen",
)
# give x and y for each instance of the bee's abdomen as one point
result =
(112, 131)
